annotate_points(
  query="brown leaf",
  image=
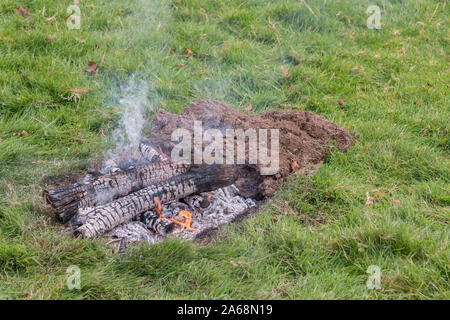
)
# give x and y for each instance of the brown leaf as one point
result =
(294, 165)
(249, 107)
(179, 65)
(22, 11)
(396, 33)
(91, 67)
(341, 102)
(189, 53)
(21, 134)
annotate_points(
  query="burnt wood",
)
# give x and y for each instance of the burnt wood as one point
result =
(198, 179)
(97, 190)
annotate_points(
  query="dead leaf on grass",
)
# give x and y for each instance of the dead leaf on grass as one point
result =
(294, 165)
(22, 11)
(249, 107)
(189, 53)
(341, 102)
(21, 133)
(91, 67)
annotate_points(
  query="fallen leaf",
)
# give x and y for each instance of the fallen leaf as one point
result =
(341, 102)
(92, 66)
(22, 11)
(396, 33)
(21, 134)
(249, 107)
(294, 165)
(179, 65)
(189, 53)
(395, 202)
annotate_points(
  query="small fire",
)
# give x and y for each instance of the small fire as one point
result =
(184, 215)
(187, 217)
(158, 207)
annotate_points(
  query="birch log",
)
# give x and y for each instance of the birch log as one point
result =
(199, 179)
(92, 191)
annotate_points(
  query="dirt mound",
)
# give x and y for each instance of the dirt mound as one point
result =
(304, 138)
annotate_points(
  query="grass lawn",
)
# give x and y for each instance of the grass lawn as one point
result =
(385, 202)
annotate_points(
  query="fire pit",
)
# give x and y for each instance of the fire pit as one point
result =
(184, 182)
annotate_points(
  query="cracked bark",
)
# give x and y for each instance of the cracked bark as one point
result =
(199, 179)
(92, 191)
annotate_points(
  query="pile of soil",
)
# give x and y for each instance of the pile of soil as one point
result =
(304, 139)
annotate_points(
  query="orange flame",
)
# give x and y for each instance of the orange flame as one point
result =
(187, 220)
(186, 216)
(158, 207)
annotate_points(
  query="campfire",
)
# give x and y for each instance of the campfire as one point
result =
(150, 195)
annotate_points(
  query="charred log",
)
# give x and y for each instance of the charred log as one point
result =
(160, 225)
(92, 191)
(199, 179)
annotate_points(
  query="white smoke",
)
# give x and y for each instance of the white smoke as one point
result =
(134, 105)
(137, 98)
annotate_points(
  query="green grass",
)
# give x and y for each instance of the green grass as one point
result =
(273, 55)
